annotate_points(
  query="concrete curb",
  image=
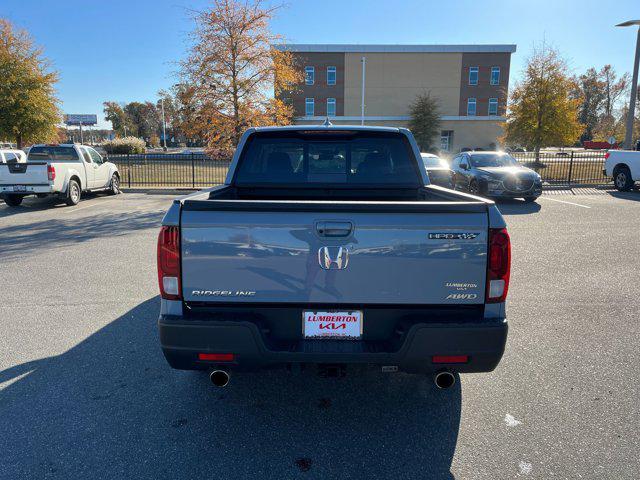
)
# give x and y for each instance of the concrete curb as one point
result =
(161, 191)
(576, 185)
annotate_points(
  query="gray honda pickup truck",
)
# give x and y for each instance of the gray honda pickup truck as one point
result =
(326, 246)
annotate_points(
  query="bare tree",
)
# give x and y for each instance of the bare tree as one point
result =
(614, 88)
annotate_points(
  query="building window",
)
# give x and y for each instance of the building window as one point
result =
(471, 107)
(495, 75)
(309, 107)
(446, 140)
(473, 75)
(331, 107)
(331, 75)
(309, 75)
(493, 106)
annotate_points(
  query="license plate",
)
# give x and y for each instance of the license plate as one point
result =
(334, 325)
(19, 188)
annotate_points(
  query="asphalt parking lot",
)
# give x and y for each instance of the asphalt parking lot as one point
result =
(86, 393)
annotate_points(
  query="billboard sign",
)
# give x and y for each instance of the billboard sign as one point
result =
(80, 119)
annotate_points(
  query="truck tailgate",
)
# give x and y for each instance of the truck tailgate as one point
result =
(334, 252)
(24, 173)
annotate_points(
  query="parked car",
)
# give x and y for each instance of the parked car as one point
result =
(591, 145)
(624, 167)
(12, 155)
(326, 245)
(63, 170)
(438, 170)
(495, 175)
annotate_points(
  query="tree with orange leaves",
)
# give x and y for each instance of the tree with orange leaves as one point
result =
(235, 74)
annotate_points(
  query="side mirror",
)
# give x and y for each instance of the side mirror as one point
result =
(464, 166)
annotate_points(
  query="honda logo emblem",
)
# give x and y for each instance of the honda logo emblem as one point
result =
(333, 258)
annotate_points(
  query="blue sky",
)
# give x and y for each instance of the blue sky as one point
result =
(126, 50)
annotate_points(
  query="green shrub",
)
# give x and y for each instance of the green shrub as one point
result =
(124, 145)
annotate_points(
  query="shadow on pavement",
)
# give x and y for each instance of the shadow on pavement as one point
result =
(32, 203)
(517, 207)
(633, 195)
(19, 240)
(111, 407)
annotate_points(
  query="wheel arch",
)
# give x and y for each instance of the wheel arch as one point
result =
(76, 177)
(113, 169)
(620, 165)
(74, 174)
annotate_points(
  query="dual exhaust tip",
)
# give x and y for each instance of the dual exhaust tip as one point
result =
(443, 380)
(219, 378)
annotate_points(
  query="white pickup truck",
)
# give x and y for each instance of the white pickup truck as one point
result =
(64, 170)
(624, 167)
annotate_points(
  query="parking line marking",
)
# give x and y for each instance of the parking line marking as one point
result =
(563, 201)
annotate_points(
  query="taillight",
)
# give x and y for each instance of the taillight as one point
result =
(51, 172)
(498, 265)
(607, 155)
(169, 263)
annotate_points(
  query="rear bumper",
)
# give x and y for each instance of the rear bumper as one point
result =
(26, 189)
(182, 340)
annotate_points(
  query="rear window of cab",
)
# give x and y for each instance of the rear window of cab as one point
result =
(53, 153)
(296, 158)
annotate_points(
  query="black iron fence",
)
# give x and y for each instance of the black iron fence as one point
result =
(170, 170)
(199, 171)
(566, 168)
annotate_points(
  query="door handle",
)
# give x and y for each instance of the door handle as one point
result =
(334, 229)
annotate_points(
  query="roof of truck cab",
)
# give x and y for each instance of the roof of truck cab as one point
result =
(357, 128)
(58, 145)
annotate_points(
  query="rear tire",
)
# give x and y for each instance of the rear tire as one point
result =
(622, 178)
(73, 193)
(13, 200)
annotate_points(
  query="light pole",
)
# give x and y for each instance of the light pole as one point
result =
(164, 126)
(628, 138)
(364, 71)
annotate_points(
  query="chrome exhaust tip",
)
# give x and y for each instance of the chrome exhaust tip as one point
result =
(219, 378)
(444, 380)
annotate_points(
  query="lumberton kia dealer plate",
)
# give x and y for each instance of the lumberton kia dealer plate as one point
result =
(334, 325)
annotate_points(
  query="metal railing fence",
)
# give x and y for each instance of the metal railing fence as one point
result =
(199, 171)
(170, 170)
(566, 168)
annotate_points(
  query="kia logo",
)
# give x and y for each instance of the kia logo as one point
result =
(332, 326)
(333, 258)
